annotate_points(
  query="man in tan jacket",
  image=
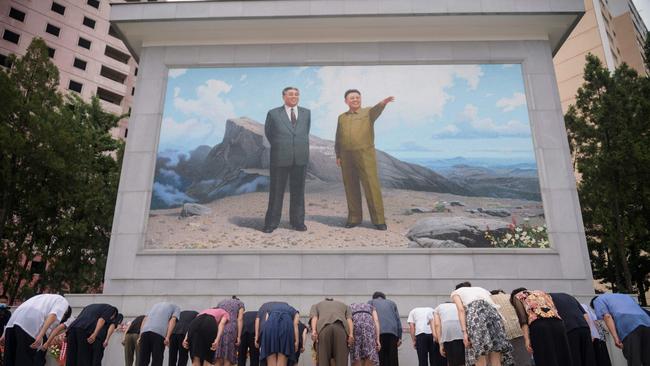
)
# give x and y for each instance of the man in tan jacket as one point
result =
(355, 154)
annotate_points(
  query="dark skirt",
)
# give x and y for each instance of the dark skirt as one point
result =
(277, 336)
(202, 332)
(455, 351)
(549, 342)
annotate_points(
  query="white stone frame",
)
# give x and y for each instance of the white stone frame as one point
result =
(138, 276)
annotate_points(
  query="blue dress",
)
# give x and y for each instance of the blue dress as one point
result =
(277, 333)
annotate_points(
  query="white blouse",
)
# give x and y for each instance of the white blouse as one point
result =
(470, 294)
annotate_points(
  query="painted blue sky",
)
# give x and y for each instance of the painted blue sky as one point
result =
(440, 112)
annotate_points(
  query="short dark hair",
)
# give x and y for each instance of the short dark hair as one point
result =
(378, 294)
(234, 297)
(515, 292)
(118, 319)
(67, 314)
(285, 90)
(464, 284)
(591, 303)
(350, 91)
(496, 292)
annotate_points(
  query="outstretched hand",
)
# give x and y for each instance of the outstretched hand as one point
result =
(388, 100)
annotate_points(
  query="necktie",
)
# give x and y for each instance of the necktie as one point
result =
(293, 118)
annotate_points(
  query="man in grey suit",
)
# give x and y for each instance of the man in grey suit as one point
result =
(287, 129)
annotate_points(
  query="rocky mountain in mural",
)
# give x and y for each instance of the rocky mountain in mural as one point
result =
(239, 164)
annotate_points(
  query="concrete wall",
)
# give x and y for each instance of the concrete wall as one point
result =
(135, 277)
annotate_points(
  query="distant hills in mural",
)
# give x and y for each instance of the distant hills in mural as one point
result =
(239, 164)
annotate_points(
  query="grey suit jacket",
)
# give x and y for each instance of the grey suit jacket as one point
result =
(289, 145)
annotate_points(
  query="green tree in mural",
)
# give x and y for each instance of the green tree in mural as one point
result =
(58, 181)
(609, 135)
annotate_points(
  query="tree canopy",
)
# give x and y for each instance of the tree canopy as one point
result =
(609, 135)
(59, 170)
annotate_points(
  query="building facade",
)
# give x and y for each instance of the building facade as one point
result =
(222, 34)
(613, 31)
(91, 59)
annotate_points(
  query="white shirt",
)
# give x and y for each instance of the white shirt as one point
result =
(31, 315)
(421, 318)
(449, 322)
(288, 110)
(470, 294)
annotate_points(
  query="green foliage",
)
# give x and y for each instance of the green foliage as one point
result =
(609, 135)
(58, 180)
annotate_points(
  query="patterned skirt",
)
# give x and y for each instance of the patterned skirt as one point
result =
(486, 333)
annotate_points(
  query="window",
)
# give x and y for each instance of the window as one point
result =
(133, 90)
(93, 3)
(84, 43)
(89, 22)
(75, 86)
(112, 32)
(114, 75)
(58, 8)
(50, 52)
(136, 72)
(52, 29)
(116, 54)
(109, 96)
(11, 36)
(17, 14)
(79, 64)
(126, 132)
(5, 61)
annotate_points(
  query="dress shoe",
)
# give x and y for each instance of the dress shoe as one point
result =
(268, 229)
(349, 225)
(381, 227)
(300, 227)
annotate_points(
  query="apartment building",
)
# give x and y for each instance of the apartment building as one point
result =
(91, 58)
(611, 30)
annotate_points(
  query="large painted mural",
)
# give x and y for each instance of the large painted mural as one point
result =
(454, 154)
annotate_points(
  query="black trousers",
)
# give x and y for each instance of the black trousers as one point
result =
(388, 352)
(18, 351)
(296, 175)
(152, 348)
(428, 351)
(581, 347)
(98, 352)
(636, 347)
(248, 345)
(79, 352)
(178, 355)
(602, 355)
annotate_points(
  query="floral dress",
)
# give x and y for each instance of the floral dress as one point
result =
(227, 349)
(365, 335)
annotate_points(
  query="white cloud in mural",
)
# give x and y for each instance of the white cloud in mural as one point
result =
(508, 104)
(174, 73)
(472, 125)
(421, 92)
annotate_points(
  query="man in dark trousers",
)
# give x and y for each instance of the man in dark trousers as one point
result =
(178, 355)
(390, 334)
(247, 343)
(577, 328)
(86, 330)
(287, 129)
